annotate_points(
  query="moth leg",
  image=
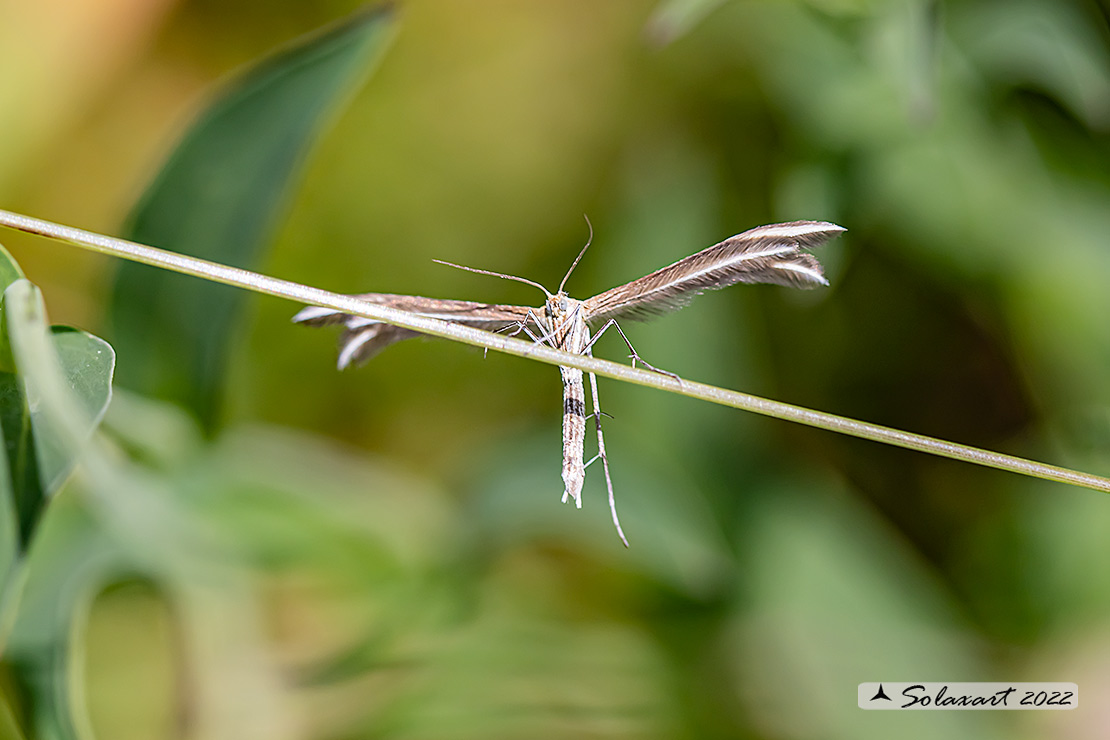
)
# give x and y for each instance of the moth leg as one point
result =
(522, 326)
(635, 356)
(517, 328)
(604, 459)
(595, 415)
(549, 334)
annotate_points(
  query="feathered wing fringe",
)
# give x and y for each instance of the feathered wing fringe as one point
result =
(765, 254)
(363, 338)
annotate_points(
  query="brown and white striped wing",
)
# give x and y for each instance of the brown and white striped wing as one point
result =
(765, 254)
(362, 338)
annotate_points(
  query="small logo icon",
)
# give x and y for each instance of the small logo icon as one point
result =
(880, 694)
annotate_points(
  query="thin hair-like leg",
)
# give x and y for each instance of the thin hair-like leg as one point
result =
(605, 459)
(521, 326)
(635, 356)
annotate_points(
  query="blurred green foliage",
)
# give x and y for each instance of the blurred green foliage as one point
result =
(217, 198)
(381, 553)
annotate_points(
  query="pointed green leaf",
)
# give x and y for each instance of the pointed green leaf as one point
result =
(51, 398)
(87, 362)
(9, 273)
(40, 446)
(10, 397)
(219, 197)
(9, 269)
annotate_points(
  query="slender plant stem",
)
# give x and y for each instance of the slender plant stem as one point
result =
(487, 340)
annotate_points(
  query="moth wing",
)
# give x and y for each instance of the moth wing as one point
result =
(362, 338)
(775, 253)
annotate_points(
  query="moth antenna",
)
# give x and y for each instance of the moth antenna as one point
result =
(495, 274)
(579, 257)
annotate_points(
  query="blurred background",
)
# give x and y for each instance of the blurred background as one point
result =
(382, 552)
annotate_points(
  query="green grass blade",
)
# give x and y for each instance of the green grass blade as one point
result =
(513, 346)
(219, 197)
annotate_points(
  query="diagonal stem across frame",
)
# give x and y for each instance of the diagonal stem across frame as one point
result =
(435, 327)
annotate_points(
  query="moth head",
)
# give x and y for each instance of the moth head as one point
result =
(557, 306)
